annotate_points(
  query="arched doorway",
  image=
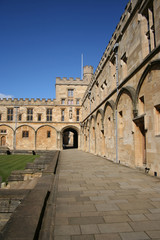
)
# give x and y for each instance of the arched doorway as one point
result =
(69, 138)
(3, 141)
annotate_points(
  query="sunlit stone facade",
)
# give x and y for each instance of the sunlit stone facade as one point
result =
(113, 112)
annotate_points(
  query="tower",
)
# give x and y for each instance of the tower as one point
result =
(87, 74)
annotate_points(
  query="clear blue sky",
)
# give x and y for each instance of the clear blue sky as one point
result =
(44, 39)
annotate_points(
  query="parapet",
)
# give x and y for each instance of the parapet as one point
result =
(69, 81)
(87, 70)
(117, 35)
(26, 101)
(87, 75)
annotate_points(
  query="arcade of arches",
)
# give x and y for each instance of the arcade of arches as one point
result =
(126, 127)
(113, 112)
(46, 137)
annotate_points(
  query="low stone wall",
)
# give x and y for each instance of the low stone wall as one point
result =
(25, 222)
(32, 170)
(9, 201)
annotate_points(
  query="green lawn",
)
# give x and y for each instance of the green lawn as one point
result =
(9, 163)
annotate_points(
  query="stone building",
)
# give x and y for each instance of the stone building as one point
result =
(121, 107)
(113, 112)
(34, 124)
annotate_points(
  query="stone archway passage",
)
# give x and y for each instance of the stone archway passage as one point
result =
(70, 138)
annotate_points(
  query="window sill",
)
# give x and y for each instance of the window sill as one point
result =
(158, 135)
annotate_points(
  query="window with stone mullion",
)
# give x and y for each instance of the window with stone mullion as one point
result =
(30, 114)
(49, 115)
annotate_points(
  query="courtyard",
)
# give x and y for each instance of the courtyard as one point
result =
(97, 199)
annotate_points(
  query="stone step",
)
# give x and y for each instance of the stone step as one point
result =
(29, 184)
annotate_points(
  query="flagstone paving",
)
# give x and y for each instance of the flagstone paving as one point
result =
(98, 200)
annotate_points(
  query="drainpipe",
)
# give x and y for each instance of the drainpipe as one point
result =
(115, 48)
(89, 95)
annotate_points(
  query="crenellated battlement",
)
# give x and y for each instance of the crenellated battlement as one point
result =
(87, 75)
(69, 81)
(27, 101)
(109, 53)
(87, 70)
(117, 35)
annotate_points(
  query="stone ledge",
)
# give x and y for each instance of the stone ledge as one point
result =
(25, 222)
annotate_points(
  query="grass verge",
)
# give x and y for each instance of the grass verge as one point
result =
(9, 163)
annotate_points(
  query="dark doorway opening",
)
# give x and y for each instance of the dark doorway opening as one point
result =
(70, 138)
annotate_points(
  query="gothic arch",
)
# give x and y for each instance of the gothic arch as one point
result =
(6, 126)
(147, 97)
(25, 142)
(68, 140)
(85, 135)
(130, 91)
(101, 112)
(85, 124)
(10, 132)
(46, 125)
(151, 66)
(99, 131)
(109, 129)
(70, 126)
(46, 137)
(125, 139)
(110, 103)
(88, 123)
(25, 125)
(90, 120)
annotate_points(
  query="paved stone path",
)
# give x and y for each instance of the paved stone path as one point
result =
(99, 200)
